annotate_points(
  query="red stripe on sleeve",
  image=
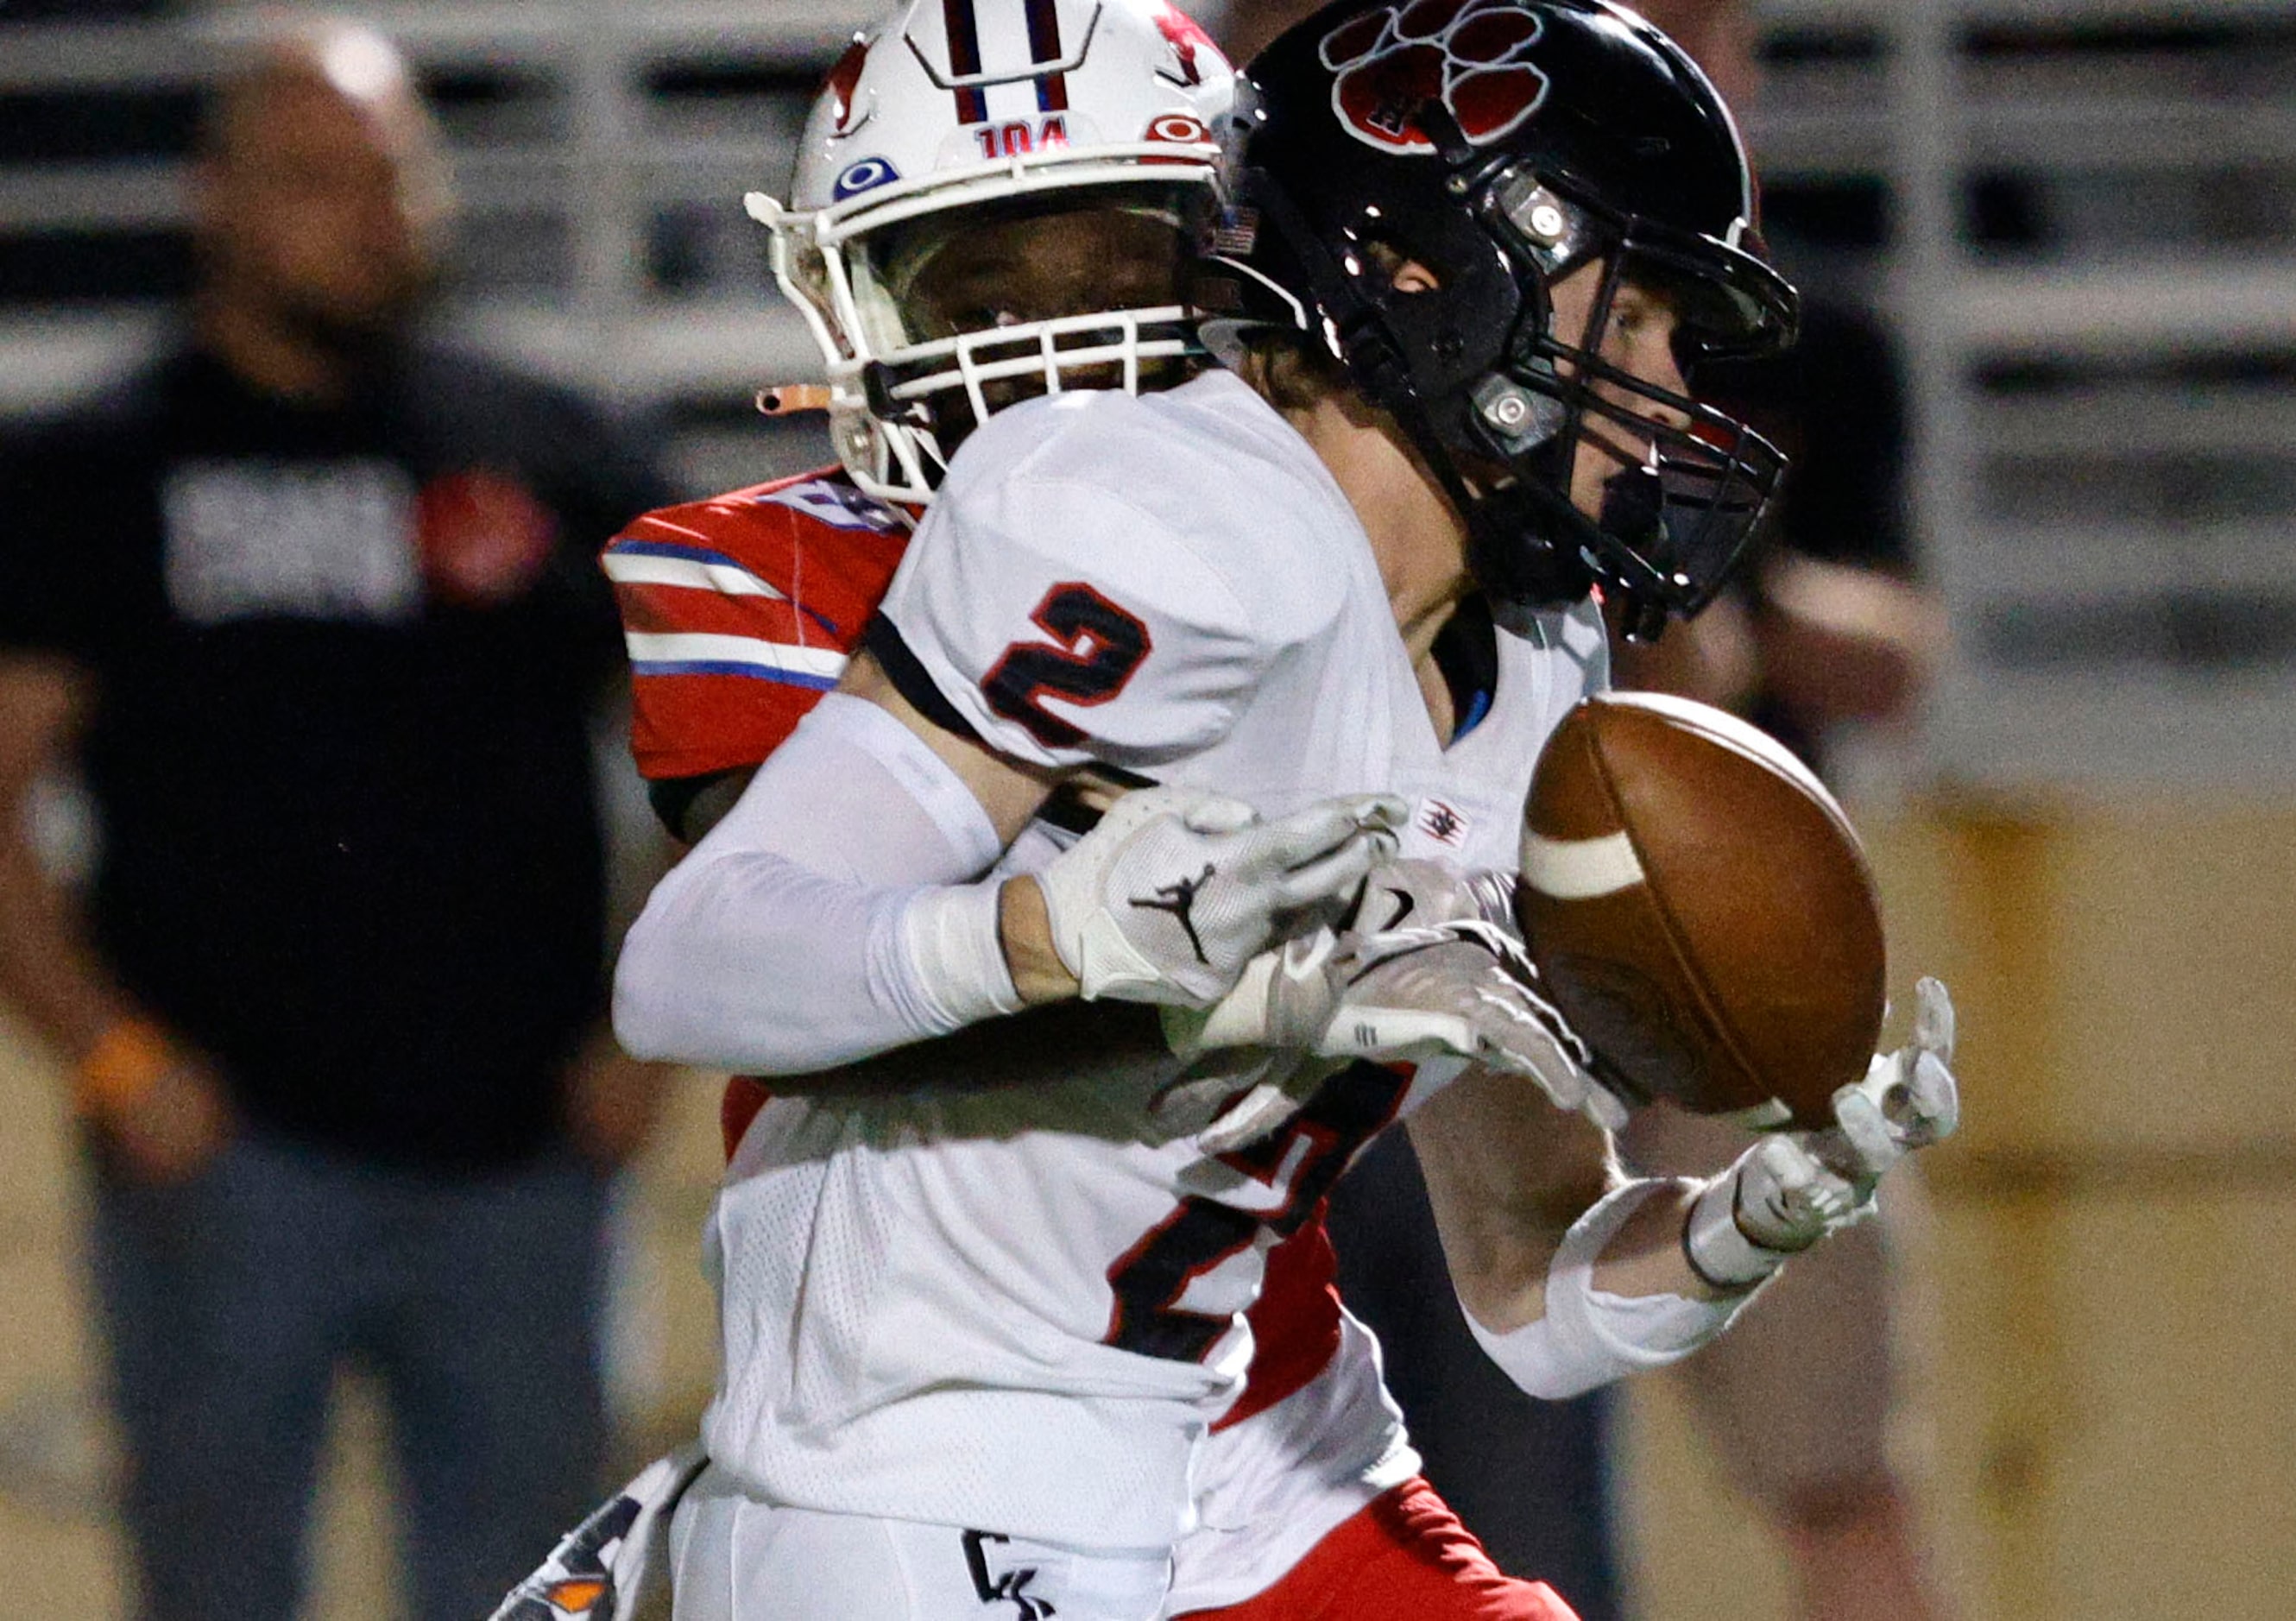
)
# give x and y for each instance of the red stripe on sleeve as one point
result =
(694, 726)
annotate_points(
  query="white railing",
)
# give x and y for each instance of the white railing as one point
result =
(2118, 144)
(616, 156)
(2106, 647)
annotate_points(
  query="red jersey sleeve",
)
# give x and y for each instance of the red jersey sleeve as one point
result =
(739, 611)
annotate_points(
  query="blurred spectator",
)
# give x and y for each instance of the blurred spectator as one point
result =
(1824, 628)
(311, 607)
(1827, 626)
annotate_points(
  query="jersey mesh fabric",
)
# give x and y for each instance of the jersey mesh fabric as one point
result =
(1269, 1489)
(879, 1297)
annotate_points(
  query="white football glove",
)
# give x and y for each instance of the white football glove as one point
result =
(1176, 889)
(1908, 1099)
(1791, 1189)
(1414, 891)
(1421, 974)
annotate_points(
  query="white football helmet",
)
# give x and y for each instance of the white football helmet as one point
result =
(936, 127)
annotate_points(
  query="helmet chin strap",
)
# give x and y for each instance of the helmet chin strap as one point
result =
(1521, 549)
(1526, 542)
(1531, 543)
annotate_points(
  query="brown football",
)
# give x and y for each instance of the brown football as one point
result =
(1701, 910)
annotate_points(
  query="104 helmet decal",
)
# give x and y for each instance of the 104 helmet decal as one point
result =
(995, 199)
(1504, 147)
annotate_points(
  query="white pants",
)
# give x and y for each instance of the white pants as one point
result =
(736, 1559)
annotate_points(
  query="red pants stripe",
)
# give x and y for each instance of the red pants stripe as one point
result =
(1403, 1557)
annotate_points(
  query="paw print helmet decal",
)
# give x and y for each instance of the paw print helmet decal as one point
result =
(1505, 146)
(1470, 56)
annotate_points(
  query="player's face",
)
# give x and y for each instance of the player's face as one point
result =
(997, 271)
(1008, 272)
(1638, 338)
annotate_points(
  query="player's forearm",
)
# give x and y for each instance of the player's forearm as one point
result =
(1503, 1255)
(835, 911)
(749, 962)
(746, 959)
(1506, 1174)
(1613, 1303)
(1036, 1047)
(1565, 1286)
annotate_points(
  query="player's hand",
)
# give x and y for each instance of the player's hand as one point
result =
(1909, 1098)
(1421, 973)
(1791, 1189)
(1459, 988)
(1176, 889)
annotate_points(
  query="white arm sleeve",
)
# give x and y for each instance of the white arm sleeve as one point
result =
(1589, 1338)
(831, 915)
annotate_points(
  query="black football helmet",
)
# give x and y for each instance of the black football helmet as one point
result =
(1504, 145)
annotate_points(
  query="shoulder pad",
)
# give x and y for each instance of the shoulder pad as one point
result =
(739, 610)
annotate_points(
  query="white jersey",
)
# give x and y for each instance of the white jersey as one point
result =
(1021, 1312)
(1271, 1488)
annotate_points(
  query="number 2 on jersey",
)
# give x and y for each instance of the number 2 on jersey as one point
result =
(1315, 1145)
(1100, 646)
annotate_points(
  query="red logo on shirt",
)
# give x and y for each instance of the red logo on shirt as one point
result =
(1443, 822)
(482, 536)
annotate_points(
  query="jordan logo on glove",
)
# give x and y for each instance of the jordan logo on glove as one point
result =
(1179, 899)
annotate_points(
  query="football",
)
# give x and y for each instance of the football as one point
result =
(1701, 911)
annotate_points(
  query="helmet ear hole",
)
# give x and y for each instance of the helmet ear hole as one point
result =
(1392, 269)
(1415, 278)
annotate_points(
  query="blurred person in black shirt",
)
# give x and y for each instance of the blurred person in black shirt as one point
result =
(311, 606)
(1826, 624)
